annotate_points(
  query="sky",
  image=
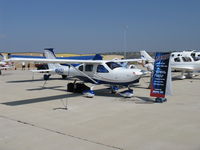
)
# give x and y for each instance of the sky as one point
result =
(94, 26)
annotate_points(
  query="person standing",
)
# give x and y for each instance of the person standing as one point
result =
(150, 68)
(23, 65)
(28, 66)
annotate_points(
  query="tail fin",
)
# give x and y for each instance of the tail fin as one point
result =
(146, 56)
(2, 57)
(49, 54)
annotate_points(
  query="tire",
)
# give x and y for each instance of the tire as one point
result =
(80, 87)
(64, 76)
(70, 87)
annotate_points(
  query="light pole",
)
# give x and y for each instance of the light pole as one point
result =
(125, 40)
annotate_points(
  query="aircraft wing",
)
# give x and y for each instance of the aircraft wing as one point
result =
(68, 61)
(126, 60)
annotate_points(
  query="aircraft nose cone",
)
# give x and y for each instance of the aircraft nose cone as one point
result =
(137, 73)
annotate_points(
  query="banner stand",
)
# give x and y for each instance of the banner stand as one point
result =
(160, 100)
(161, 79)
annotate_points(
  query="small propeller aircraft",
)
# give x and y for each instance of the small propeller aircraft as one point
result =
(97, 72)
(186, 62)
(3, 63)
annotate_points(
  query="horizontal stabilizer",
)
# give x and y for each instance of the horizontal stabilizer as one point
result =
(42, 71)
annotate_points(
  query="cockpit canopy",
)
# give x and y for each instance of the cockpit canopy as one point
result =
(113, 65)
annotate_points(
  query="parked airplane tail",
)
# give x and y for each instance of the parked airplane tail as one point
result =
(49, 53)
(2, 58)
(146, 56)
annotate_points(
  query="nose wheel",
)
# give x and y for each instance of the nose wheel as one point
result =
(114, 89)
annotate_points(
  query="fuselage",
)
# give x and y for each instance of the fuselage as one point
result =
(185, 61)
(104, 73)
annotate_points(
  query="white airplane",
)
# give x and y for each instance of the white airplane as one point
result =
(180, 61)
(3, 64)
(93, 71)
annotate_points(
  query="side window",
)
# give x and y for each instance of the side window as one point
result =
(189, 59)
(80, 68)
(101, 69)
(186, 59)
(177, 59)
(193, 54)
(89, 68)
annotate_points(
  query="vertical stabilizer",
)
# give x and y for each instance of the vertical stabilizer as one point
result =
(49, 54)
(146, 56)
(2, 57)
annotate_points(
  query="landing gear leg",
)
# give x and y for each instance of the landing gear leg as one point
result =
(190, 75)
(182, 75)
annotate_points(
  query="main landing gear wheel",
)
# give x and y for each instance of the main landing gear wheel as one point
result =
(64, 76)
(80, 88)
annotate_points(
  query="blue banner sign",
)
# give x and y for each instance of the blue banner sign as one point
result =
(160, 75)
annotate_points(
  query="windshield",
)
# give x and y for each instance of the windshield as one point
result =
(113, 65)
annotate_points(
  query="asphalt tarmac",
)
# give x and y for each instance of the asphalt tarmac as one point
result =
(33, 117)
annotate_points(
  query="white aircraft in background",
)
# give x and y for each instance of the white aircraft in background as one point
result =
(93, 71)
(194, 54)
(186, 62)
(3, 64)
